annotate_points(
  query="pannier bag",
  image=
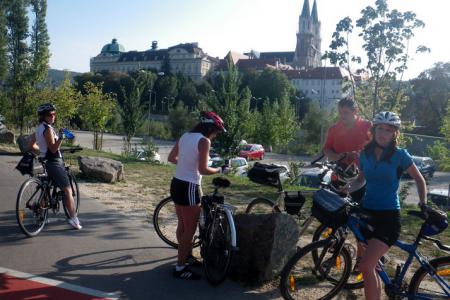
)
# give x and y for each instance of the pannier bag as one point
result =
(293, 202)
(329, 208)
(26, 163)
(265, 173)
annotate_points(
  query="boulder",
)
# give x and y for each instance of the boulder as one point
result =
(265, 242)
(102, 169)
(24, 142)
(7, 137)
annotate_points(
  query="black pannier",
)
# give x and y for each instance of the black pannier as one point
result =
(265, 174)
(26, 164)
(329, 208)
(293, 202)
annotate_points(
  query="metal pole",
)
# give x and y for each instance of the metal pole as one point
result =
(149, 111)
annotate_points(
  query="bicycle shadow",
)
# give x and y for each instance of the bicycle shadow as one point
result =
(132, 273)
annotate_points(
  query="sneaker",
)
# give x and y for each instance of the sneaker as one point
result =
(75, 223)
(186, 273)
(192, 261)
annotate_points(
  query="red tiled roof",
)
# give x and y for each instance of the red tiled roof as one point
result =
(256, 64)
(316, 73)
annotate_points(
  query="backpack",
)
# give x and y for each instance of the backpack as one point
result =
(26, 163)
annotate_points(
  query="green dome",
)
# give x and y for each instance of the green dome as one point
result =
(113, 48)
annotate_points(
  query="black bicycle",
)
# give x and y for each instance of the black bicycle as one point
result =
(39, 194)
(216, 233)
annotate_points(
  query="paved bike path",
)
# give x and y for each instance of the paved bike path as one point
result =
(114, 253)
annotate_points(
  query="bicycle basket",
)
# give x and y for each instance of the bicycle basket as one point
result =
(329, 208)
(293, 202)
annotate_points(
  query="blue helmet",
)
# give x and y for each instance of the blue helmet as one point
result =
(436, 221)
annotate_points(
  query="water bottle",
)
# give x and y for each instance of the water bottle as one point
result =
(68, 134)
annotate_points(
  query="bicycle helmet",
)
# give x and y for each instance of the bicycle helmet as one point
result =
(436, 221)
(212, 118)
(45, 108)
(388, 118)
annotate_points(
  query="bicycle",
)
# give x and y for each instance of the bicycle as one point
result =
(335, 269)
(216, 232)
(38, 194)
(293, 202)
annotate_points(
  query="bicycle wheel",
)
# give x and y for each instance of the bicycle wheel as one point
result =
(31, 213)
(165, 222)
(305, 278)
(355, 280)
(424, 285)
(261, 206)
(216, 249)
(75, 195)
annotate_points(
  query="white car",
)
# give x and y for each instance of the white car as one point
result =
(238, 165)
(140, 154)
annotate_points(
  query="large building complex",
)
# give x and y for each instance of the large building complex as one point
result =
(187, 59)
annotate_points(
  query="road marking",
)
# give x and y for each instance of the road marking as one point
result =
(25, 280)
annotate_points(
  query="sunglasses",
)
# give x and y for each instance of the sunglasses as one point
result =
(51, 114)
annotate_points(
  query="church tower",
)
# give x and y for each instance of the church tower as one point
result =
(308, 49)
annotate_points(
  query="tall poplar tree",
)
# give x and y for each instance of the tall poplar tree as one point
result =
(3, 43)
(17, 22)
(40, 42)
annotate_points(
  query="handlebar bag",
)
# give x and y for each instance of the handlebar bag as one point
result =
(265, 173)
(329, 208)
(293, 202)
(26, 163)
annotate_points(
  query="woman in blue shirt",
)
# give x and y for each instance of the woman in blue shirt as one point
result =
(382, 164)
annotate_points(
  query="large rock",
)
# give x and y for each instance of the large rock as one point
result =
(102, 169)
(266, 242)
(7, 137)
(24, 143)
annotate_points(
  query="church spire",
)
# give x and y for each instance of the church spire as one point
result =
(305, 11)
(314, 14)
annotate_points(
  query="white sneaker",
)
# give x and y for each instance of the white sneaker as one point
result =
(75, 223)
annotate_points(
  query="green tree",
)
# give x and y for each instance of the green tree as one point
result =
(18, 87)
(180, 120)
(385, 36)
(314, 121)
(40, 42)
(286, 125)
(96, 110)
(431, 92)
(271, 84)
(165, 88)
(267, 129)
(3, 43)
(233, 106)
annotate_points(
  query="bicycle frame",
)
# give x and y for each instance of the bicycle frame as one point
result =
(394, 286)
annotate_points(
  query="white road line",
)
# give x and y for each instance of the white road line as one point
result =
(59, 284)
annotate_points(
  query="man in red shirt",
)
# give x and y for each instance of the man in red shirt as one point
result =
(349, 135)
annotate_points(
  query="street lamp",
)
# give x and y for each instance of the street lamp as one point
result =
(167, 100)
(256, 101)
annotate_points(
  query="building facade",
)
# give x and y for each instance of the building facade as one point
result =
(187, 59)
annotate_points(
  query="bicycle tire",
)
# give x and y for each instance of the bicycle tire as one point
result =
(217, 249)
(301, 270)
(31, 217)
(261, 206)
(442, 267)
(75, 195)
(355, 281)
(165, 222)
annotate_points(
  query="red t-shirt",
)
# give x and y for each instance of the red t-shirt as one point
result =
(341, 139)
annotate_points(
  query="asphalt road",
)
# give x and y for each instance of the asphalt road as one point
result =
(113, 253)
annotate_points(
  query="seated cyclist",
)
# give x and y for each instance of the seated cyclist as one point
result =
(382, 164)
(48, 143)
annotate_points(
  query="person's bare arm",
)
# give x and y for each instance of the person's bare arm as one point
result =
(414, 173)
(203, 156)
(52, 144)
(173, 155)
(33, 143)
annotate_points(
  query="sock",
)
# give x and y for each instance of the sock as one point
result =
(179, 268)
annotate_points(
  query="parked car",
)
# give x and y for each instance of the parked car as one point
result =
(440, 197)
(426, 166)
(238, 165)
(213, 153)
(310, 178)
(252, 151)
(141, 154)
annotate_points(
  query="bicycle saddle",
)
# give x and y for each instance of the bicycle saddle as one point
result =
(221, 182)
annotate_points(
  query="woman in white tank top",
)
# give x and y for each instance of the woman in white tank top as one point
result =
(191, 155)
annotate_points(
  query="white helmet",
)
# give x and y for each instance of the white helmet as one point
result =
(388, 118)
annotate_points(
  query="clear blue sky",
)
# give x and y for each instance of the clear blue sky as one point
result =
(78, 29)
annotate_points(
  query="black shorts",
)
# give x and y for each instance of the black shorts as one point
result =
(57, 172)
(185, 193)
(385, 225)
